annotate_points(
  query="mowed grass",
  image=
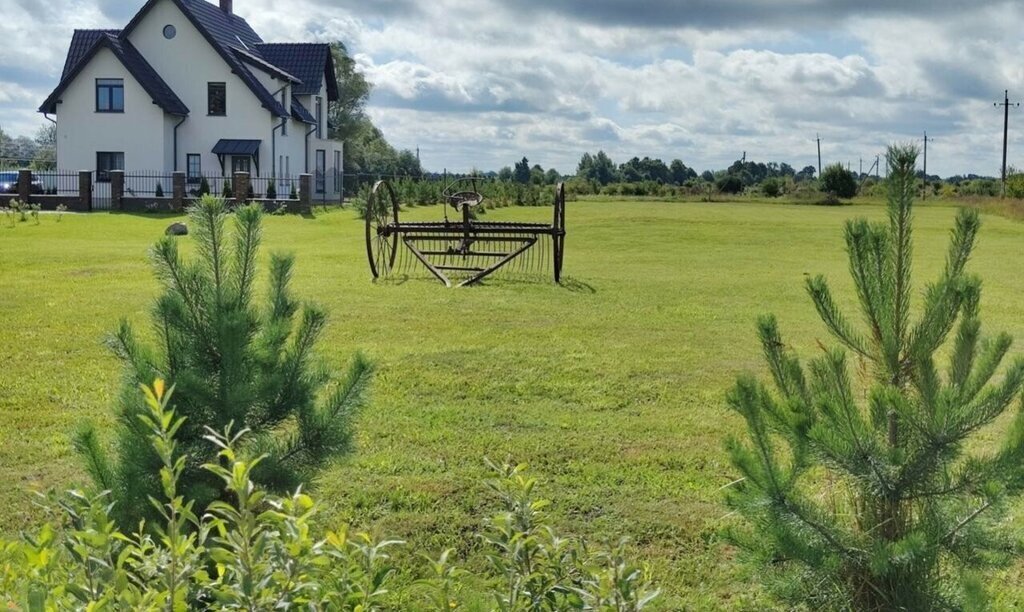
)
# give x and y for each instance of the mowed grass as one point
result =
(611, 386)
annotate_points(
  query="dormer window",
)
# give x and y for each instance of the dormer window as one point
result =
(109, 95)
(217, 99)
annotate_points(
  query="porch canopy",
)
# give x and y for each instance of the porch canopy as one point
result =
(235, 148)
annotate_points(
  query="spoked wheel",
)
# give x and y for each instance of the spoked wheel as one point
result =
(559, 236)
(381, 240)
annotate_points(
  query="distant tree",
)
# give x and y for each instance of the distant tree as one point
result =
(806, 174)
(771, 187)
(552, 176)
(836, 179)
(708, 176)
(537, 174)
(631, 171)
(679, 173)
(505, 174)
(45, 155)
(521, 174)
(598, 168)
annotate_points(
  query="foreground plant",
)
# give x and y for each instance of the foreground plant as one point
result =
(258, 551)
(231, 361)
(857, 487)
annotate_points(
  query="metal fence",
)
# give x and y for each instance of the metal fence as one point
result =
(56, 182)
(280, 188)
(148, 185)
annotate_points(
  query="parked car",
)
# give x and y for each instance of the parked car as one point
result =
(9, 183)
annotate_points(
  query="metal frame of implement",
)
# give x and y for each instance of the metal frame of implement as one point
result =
(467, 247)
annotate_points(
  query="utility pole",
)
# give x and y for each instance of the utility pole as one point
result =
(819, 154)
(860, 173)
(878, 167)
(1006, 129)
(924, 192)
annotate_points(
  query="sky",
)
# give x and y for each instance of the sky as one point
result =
(483, 83)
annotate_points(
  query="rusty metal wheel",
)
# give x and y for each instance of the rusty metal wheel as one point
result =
(381, 239)
(559, 236)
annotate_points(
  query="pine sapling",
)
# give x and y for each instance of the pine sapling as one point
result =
(232, 359)
(857, 486)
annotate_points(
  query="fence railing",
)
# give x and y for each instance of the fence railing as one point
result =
(148, 185)
(280, 188)
(56, 182)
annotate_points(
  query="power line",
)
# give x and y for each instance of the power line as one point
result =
(1006, 104)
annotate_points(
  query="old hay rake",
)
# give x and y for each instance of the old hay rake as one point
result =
(463, 251)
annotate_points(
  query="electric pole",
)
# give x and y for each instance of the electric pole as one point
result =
(924, 193)
(1006, 129)
(819, 154)
(878, 167)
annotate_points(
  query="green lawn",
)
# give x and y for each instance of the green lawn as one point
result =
(611, 387)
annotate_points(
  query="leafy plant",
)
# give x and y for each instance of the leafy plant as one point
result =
(204, 187)
(864, 496)
(61, 209)
(34, 210)
(159, 190)
(258, 551)
(837, 180)
(271, 191)
(294, 195)
(227, 192)
(232, 361)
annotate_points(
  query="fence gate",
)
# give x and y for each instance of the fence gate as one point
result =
(100, 185)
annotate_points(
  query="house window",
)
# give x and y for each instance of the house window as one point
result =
(240, 163)
(319, 117)
(321, 171)
(109, 95)
(195, 168)
(217, 99)
(337, 171)
(105, 162)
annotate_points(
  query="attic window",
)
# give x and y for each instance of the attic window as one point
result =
(170, 32)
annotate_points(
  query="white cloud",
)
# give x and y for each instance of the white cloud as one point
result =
(483, 83)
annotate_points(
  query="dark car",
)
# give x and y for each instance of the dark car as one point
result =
(9, 183)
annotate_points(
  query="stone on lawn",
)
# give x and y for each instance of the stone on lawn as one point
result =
(177, 229)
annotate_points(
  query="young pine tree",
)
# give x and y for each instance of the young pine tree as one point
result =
(858, 487)
(232, 359)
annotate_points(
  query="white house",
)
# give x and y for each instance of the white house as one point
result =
(188, 86)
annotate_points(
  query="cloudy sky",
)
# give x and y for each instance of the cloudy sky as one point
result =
(481, 83)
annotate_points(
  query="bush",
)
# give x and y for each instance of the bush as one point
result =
(838, 180)
(227, 193)
(771, 187)
(204, 187)
(159, 191)
(258, 551)
(730, 183)
(866, 497)
(233, 360)
(271, 191)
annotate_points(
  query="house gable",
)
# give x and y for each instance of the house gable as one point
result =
(131, 59)
(223, 32)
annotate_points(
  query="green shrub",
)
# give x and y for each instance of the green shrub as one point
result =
(857, 487)
(159, 193)
(771, 187)
(233, 360)
(204, 187)
(730, 183)
(259, 551)
(836, 179)
(271, 191)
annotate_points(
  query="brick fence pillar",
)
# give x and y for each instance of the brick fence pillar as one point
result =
(177, 190)
(116, 189)
(240, 187)
(305, 193)
(24, 185)
(85, 190)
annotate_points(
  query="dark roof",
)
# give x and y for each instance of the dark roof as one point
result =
(137, 65)
(300, 112)
(263, 65)
(227, 146)
(224, 32)
(310, 62)
(81, 43)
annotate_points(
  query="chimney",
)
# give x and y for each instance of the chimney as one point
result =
(225, 5)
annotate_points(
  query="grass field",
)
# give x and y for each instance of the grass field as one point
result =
(611, 387)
